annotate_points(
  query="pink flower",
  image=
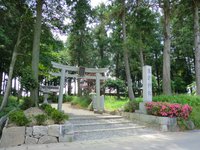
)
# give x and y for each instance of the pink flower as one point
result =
(168, 110)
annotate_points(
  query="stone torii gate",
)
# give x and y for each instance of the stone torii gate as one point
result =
(81, 74)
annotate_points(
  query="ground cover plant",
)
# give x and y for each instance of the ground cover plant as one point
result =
(57, 116)
(13, 103)
(80, 102)
(18, 117)
(44, 115)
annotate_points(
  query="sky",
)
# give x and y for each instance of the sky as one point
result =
(94, 3)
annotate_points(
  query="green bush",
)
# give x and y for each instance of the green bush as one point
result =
(67, 98)
(19, 118)
(47, 109)
(116, 84)
(82, 102)
(40, 119)
(27, 103)
(58, 117)
(195, 116)
(43, 106)
(131, 106)
(12, 104)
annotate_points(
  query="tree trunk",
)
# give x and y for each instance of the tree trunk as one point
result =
(4, 82)
(11, 68)
(1, 77)
(166, 52)
(197, 46)
(126, 60)
(79, 87)
(117, 73)
(36, 51)
(141, 58)
(20, 89)
(141, 52)
(69, 86)
(157, 73)
(75, 80)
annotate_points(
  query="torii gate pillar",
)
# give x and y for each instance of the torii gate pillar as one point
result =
(62, 82)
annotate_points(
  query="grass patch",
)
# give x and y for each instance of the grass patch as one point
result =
(82, 102)
(112, 103)
(181, 99)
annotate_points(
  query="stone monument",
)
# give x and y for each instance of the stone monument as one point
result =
(147, 87)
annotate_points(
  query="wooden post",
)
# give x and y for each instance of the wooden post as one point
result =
(98, 91)
(62, 82)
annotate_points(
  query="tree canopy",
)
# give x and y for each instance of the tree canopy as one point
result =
(118, 35)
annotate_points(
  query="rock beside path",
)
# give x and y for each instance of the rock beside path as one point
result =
(8, 139)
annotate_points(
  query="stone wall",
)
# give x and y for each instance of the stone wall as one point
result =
(164, 123)
(14, 136)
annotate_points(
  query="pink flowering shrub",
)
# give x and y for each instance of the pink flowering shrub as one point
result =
(168, 110)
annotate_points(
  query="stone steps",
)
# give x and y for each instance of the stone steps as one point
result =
(95, 117)
(105, 126)
(102, 120)
(110, 133)
(94, 126)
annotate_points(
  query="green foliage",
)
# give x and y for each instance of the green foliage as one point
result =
(47, 108)
(27, 103)
(79, 39)
(67, 98)
(40, 119)
(58, 116)
(27, 81)
(195, 116)
(116, 84)
(12, 104)
(113, 103)
(181, 99)
(131, 106)
(19, 118)
(181, 124)
(82, 102)
(43, 106)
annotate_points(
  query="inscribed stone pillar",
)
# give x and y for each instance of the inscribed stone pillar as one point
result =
(147, 84)
(147, 87)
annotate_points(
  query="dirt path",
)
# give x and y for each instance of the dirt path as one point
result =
(67, 108)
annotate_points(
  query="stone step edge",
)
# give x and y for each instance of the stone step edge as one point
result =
(96, 118)
(110, 123)
(113, 129)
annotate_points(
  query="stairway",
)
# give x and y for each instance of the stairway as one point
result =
(105, 126)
